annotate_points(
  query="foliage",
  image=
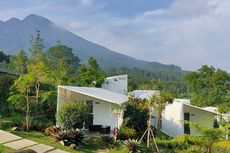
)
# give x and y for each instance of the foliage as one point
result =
(209, 86)
(107, 139)
(224, 107)
(136, 115)
(72, 115)
(125, 133)
(210, 136)
(91, 75)
(5, 91)
(133, 145)
(18, 62)
(62, 62)
(56, 132)
(158, 102)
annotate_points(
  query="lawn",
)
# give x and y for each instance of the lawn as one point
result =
(92, 145)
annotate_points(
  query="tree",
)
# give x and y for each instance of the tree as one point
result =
(91, 75)
(208, 86)
(18, 63)
(158, 102)
(37, 47)
(24, 85)
(62, 62)
(72, 115)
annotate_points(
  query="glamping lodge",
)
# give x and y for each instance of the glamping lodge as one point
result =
(180, 109)
(100, 100)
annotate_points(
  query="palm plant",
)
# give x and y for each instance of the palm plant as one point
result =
(133, 145)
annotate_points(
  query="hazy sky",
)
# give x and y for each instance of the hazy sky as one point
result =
(188, 33)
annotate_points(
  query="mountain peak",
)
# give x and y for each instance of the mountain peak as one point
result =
(36, 18)
(13, 20)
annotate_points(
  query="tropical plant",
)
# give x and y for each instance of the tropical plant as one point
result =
(125, 133)
(211, 137)
(133, 145)
(72, 115)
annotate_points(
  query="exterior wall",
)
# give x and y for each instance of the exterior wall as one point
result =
(118, 84)
(171, 119)
(199, 116)
(102, 110)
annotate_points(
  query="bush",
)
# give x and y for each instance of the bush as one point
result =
(56, 133)
(125, 133)
(72, 115)
(17, 119)
(133, 145)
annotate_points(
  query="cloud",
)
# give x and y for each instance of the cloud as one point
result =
(188, 33)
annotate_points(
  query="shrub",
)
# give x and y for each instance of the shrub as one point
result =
(76, 136)
(72, 115)
(133, 145)
(56, 133)
(125, 133)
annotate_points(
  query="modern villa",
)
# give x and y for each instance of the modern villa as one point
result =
(180, 109)
(100, 100)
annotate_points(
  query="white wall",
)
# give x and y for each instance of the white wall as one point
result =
(199, 116)
(118, 84)
(171, 119)
(102, 111)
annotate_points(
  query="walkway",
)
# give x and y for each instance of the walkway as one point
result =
(18, 143)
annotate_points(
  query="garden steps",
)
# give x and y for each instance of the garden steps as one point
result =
(18, 143)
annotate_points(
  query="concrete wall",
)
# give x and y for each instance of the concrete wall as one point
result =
(118, 84)
(102, 110)
(171, 119)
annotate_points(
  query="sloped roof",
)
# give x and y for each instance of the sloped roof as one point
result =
(144, 94)
(99, 93)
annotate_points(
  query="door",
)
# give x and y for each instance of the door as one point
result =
(186, 125)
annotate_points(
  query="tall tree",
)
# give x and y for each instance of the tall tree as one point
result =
(62, 63)
(208, 86)
(91, 75)
(24, 85)
(37, 47)
(18, 62)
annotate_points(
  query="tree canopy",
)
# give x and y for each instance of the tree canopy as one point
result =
(208, 86)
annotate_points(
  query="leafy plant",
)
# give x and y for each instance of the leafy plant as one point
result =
(72, 115)
(125, 133)
(56, 133)
(133, 145)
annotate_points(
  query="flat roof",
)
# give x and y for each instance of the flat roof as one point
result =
(99, 93)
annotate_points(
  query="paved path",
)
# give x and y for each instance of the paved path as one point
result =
(18, 143)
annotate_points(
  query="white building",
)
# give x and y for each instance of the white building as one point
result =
(180, 109)
(100, 100)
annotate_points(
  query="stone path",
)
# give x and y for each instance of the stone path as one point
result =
(18, 143)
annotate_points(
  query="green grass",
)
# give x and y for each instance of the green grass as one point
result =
(92, 145)
(2, 148)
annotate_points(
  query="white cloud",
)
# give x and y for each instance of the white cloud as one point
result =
(190, 33)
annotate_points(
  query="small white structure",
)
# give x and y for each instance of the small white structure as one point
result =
(181, 109)
(99, 100)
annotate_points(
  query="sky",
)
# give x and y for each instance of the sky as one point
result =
(187, 33)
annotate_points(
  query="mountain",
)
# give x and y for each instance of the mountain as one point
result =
(15, 34)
